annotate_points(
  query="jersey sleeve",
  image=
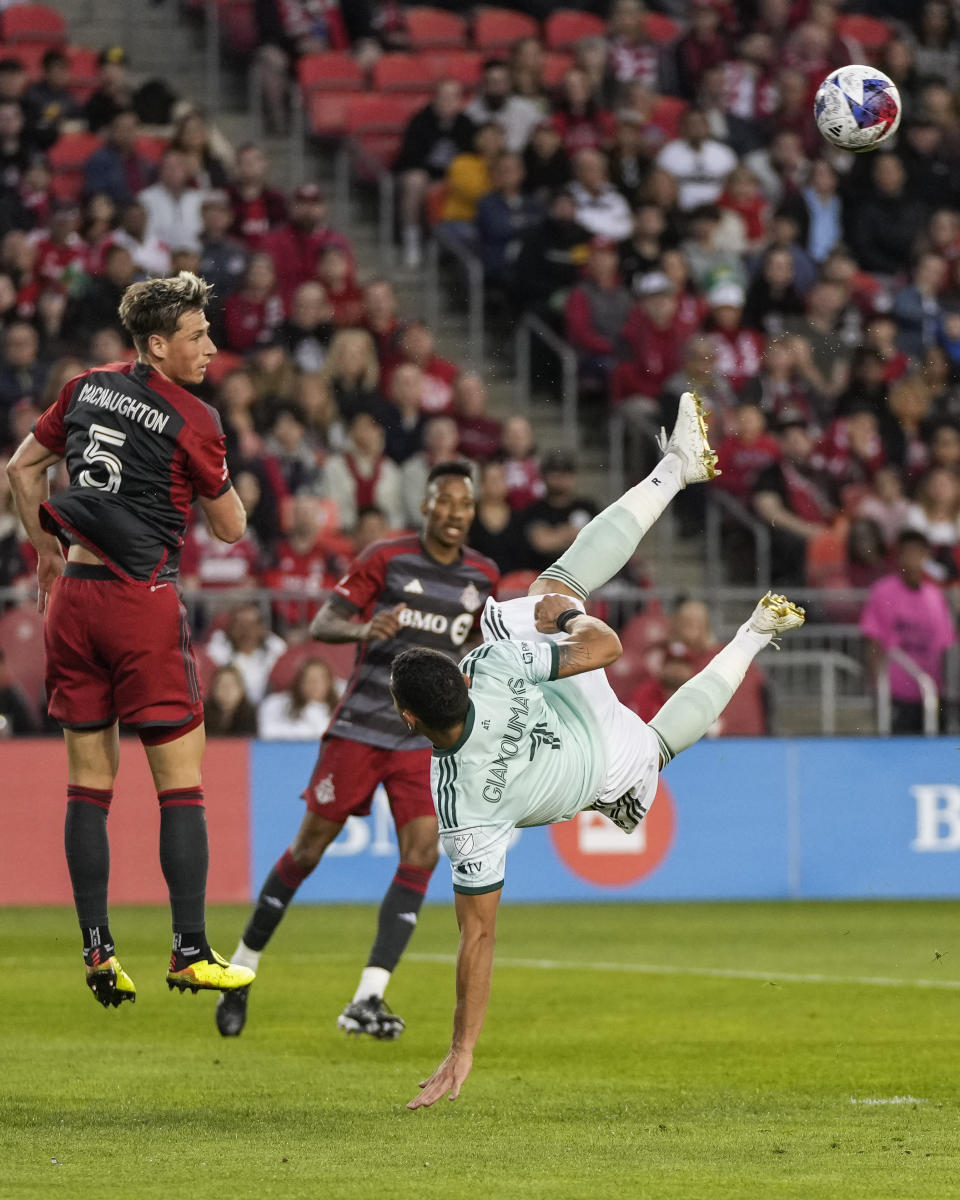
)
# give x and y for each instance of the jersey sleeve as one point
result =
(50, 428)
(364, 581)
(206, 451)
(477, 856)
(537, 662)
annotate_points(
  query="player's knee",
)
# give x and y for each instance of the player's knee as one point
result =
(308, 847)
(424, 855)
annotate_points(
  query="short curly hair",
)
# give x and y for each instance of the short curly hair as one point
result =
(156, 305)
(429, 684)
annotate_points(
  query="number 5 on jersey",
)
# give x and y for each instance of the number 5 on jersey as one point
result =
(102, 436)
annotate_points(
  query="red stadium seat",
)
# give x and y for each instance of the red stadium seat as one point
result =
(330, 71)
(515, 583)
(21, 640)
(872, 33)
(401, 73)
(630, 669)
(647, 629)
(433, 202)
(33, 23)
(67, 157)
(239, 31)
(463, 65)
(84, 71)
(377, 122)
(151, 147)
(563, 29)
(327, 113)
(666, 114)
(339, 657)
(661, 28)
(496, 29)
(556, 64)
(434, 29)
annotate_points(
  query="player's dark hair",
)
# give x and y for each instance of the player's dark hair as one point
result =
(430, 685)
(454, 466)
(156, 305)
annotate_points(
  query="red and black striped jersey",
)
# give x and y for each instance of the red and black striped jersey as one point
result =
(443, 605)
(139, 450)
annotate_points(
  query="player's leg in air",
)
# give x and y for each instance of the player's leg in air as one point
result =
(606, 544)
(93, 757)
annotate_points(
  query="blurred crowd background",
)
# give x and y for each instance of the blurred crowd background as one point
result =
(648, 181)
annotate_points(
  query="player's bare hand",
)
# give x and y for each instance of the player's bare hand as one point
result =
(49, 569)
(448, 1077)
(549, 608)
(385, 624)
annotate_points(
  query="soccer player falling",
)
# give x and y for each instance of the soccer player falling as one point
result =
(139, 450)
(527, 730)
(425, 591)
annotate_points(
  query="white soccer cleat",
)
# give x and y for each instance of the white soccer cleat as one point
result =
(689, 441)
(775, 615)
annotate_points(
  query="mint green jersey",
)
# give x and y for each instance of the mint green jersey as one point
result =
(530, 753)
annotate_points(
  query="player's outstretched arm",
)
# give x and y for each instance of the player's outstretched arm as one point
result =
(335, 623)
(591, 643)
(27, 472)
(477, 918)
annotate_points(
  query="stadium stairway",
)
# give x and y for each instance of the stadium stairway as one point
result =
(159, 43)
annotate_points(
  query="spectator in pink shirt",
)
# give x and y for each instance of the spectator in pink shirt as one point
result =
(905, 610)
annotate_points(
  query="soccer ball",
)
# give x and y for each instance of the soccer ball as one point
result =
(857, 108)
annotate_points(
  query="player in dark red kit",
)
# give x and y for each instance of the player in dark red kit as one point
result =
(407, 591)
(139, 450)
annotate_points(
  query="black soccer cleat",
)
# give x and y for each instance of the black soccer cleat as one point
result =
(110, 983)
(232, 1012)
(371, 1016)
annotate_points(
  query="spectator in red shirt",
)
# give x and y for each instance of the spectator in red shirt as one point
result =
(652, 694)
(739, 350)
(881, 335)
(301, 563)
(257, 208)
(252, 315)
(381, 319)
(296, 246)
(597, 312)
(521, 463)
(335, 272)
(850, 450)
(579, 119)
(417, 346)
(654, 339)
(702, 47)
(634, 55)
(745, 452)
(61, 251)
(742, 195)
(480, 434)
(209, 563)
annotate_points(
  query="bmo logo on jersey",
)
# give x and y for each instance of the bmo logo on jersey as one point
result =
(428, 622)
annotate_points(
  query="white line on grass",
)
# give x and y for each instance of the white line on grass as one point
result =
(550, 964)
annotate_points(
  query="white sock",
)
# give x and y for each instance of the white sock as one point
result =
(647, 499)
(243, 956)
(373, 982)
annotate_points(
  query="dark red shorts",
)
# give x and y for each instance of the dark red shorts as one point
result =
(118, 650)
(347, 774)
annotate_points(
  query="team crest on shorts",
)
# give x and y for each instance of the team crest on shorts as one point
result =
(470, 598)
(323, 793)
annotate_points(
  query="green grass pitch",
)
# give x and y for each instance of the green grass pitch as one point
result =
(655, 1051)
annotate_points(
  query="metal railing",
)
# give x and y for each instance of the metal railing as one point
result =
(928, 693)
(829, 665)
(721, 508)
(445, 244)
(532, 328)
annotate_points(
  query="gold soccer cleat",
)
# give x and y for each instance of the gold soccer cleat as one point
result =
(110, 983)
(212, 974)
(689, 441)
(775, 615)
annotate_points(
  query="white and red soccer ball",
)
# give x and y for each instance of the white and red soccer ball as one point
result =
(857, 108)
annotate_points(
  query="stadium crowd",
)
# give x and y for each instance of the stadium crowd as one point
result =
(655, 189)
